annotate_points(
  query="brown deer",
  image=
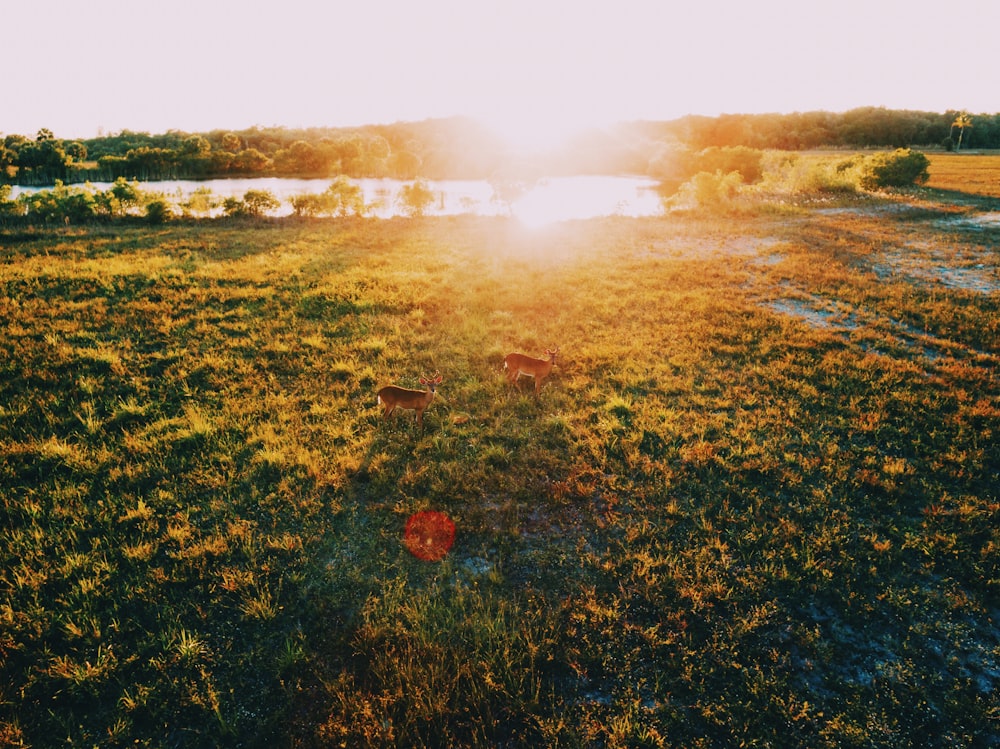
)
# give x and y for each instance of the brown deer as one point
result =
(392, 397)
(519, 364)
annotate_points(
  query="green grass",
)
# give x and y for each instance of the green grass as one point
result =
(720, 524)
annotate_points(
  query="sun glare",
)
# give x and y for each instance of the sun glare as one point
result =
(536, 135)
(564, 199)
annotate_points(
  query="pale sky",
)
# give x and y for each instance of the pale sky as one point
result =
(77, 66)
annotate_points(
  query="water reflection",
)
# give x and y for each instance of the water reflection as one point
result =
(551, 199)
(565, 198)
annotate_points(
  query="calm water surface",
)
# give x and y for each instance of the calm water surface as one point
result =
(550, 199)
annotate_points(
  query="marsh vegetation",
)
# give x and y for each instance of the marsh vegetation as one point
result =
(754, 503)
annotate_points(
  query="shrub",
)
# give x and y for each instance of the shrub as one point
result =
(126, 195)
(746, 161)
(255, 203)
(901, 168)
(415, 198)
(674, 165)
(60, 204)
(158, 211)
(77, 206)
(233, 206)
(307, 204)
(716, 190)
(794, 174)
(341, 198)
(258, 202)
(8, 208)
(344, 198)
(200, 203)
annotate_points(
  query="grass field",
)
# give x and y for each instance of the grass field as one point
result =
(756, 503)
(968, 173)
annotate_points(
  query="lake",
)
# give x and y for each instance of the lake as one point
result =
(548, 199)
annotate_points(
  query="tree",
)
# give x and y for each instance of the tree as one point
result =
(231, 142)
(344, 198)
(150, 163)
(308, 204)
(124, 195)
(196, 145)
(233, 206)
(250, 161)
(8, 208)
(258, 202)
(962, 121)
(45, 158)
(76, 150)
(350, 152)
(405, 165)
(8, 162)
(303, 158)
(377, 152)
(415, 198)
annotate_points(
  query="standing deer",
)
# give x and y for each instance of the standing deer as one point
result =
(519, 364)
(392, 397)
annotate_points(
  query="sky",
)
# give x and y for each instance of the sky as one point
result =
(532, 69)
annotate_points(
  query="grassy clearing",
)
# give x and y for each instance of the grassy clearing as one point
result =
(756, 502)
(975, 172)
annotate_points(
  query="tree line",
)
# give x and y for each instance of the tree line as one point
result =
(455, 148)
(460, 148)
(713, 178)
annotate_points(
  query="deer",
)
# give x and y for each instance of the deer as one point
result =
(519, 364)
(392, 397)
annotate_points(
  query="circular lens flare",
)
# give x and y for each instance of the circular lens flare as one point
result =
(429, 535)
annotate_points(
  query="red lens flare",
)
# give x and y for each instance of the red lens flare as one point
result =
(429, 535)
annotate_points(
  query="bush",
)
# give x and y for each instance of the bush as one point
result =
(233, 206)
(9, 208)
(706, 190)
(200, 203)
(125, 195)
(77, 207)
(158, 211)
(675, 165)
(416, 198)
(259, 202)
(61, 204)
(901, 168)
(308, 204)
(746, 161)
(344, 198)
(341, 198)
(797, 175)
(255, 203)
